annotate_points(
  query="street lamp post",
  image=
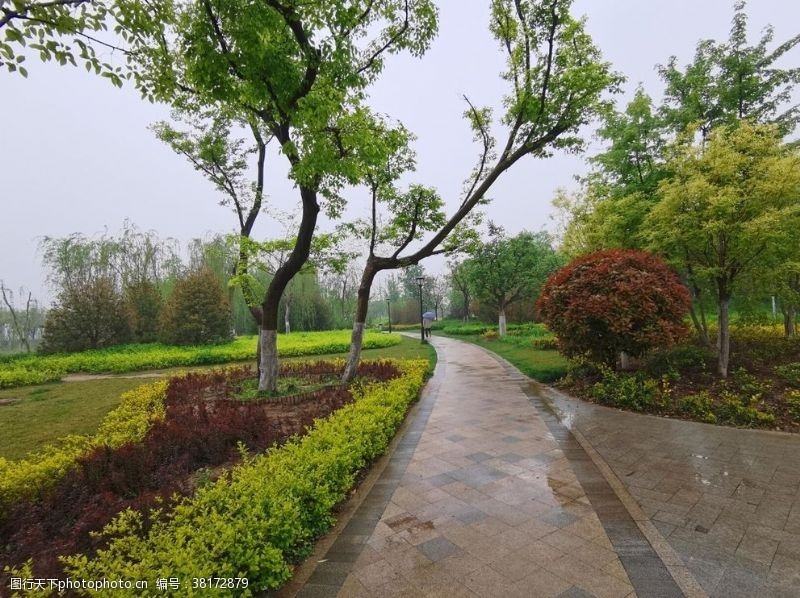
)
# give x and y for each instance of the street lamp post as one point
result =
(389, 312)
(420, 280)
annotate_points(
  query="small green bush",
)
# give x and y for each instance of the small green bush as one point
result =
(681, 358)
(544, 343)
(143, 302)
(793, 402)
(268, 511)
(789, 372)
(749, 385)
(86, 316)
(468, 329)
(197, 312)
(699, 406)
(741, 411)
(636, 391)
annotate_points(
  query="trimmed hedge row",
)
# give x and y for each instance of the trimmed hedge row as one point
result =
(38, 369)
(129, 422)
(476, 328)
(267, 512)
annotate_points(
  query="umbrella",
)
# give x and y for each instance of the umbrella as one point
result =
(429, 315)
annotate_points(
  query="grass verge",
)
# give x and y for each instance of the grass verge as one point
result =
(542, 365)
(21, 370)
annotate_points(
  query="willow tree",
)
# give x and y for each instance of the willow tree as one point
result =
(301, 70)
(557, 82)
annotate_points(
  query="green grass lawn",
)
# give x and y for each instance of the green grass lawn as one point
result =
(38, 415)
(544, 366)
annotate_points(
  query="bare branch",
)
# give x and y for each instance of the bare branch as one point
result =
(392, 40)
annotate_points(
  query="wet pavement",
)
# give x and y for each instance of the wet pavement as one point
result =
(502, 487)
(726, 500)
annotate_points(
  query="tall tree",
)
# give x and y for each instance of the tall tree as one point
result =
(23, 323)
(459, 281)
(726, 209)
(558, 82)
(438, 292)
(733, 80)
(506, 269)
(301, 70)
(215, 146)
(626, 174)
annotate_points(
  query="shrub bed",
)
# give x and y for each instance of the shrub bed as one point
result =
(202, 430)
(265, 514)
(679, 382)
(527, 329)
(24, 369)
(129, 422)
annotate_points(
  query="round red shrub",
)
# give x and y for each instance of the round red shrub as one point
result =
(612, 301)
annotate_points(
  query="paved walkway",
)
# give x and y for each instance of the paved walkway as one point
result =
(726, 500)
(490, 494)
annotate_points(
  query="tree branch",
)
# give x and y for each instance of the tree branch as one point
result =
(398, 34)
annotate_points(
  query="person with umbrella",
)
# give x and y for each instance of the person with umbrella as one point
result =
(427, 319)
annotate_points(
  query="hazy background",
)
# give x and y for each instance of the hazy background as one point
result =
(76, 154)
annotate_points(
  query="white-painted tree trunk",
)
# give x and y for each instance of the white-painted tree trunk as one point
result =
(501, 324)
(356, 342)
(268, 378)
(286, 318)
(624, 361)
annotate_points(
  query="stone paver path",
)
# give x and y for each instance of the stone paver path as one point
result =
(726, 500)
(488, 495)
(502, 487)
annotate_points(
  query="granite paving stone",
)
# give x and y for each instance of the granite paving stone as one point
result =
(495, 493)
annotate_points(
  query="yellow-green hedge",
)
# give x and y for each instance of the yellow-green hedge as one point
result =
(254, 522)
(129, 422)
(37, 369)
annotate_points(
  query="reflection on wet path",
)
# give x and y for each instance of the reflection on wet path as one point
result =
(726, 500)
(489, 504)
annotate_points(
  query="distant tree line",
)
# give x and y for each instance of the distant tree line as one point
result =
(137, 287)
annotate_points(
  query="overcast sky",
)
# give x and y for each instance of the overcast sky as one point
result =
(76, 154)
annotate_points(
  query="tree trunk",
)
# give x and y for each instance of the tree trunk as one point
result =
(286, 323)
(268, 380)
(789, 326)
(268, 375)
(501, 324)
(466, 307)
(624, 361)
(357, 337)
(724, 338)
(700, 326)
